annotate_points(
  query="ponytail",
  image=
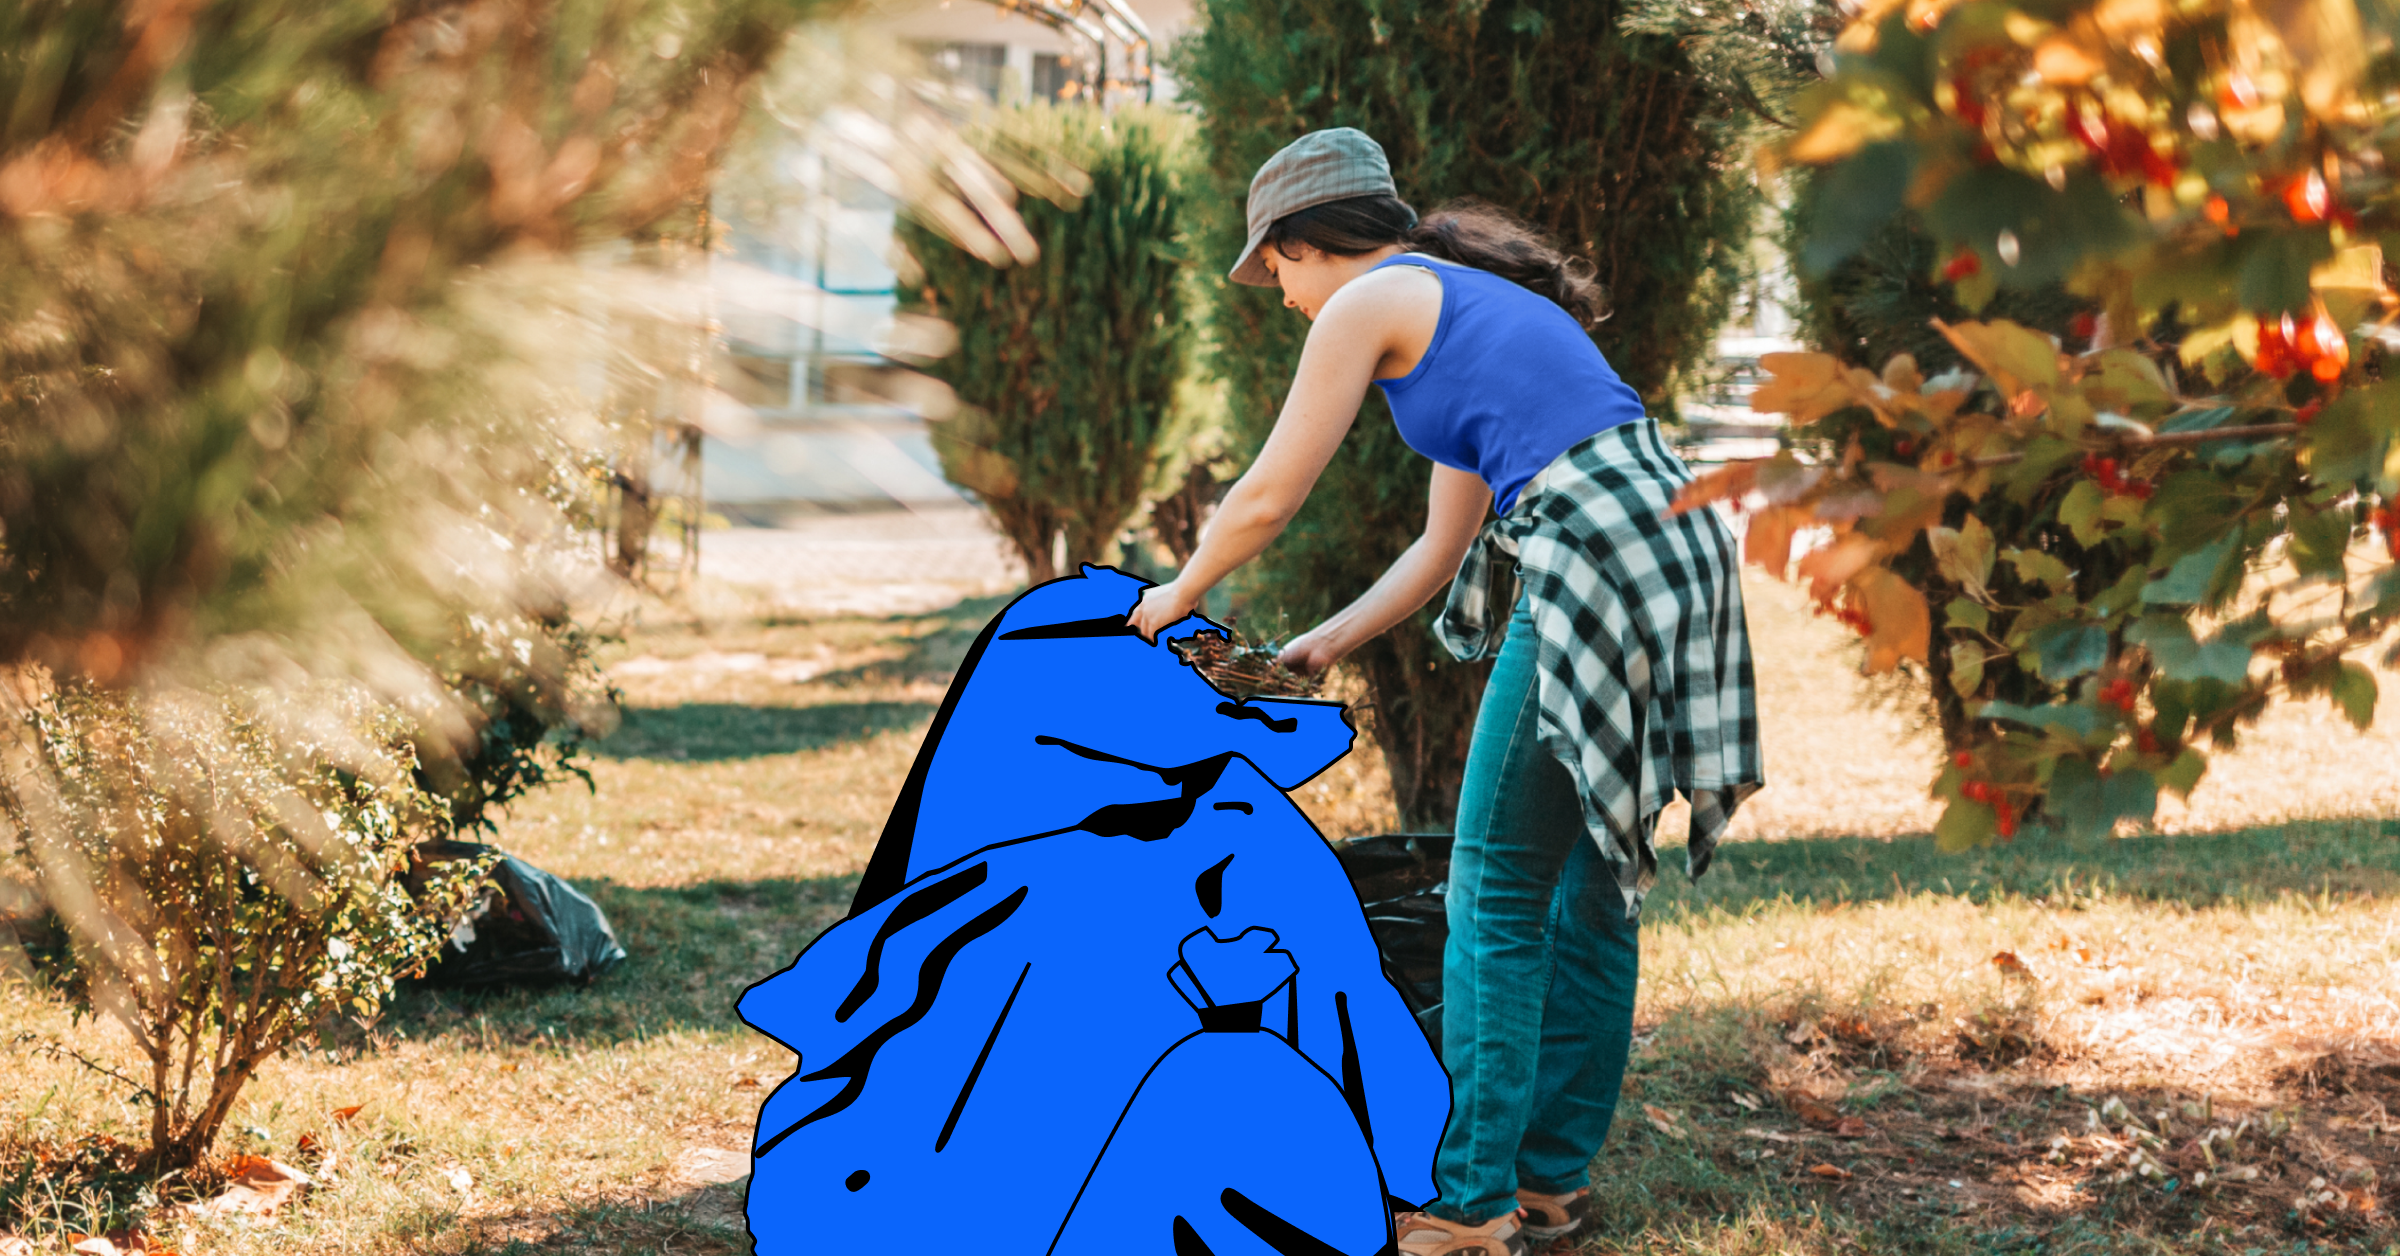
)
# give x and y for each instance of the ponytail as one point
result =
(1468, 232)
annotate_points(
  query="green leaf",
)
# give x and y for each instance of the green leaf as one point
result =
(2347, 442)
(1966, 667)
(2055, 229)
(2045, 455)
(2125, 512)
(2319, 539)
(2354, 688)
(2193, 507)
(2124, 594)
(2180, 776)
(2036, 566)
(2129, 794)
(1973, 616)
(2181, 657)
(2071, 649)
(2080, 511)
(1855, 197)
(1964, 554)
(1965, 825)
(2275, 274)
(2071, 717)
(2190, 579)
(2087, 804)
(2129, 382)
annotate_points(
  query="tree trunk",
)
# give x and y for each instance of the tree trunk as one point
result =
(1176, 518)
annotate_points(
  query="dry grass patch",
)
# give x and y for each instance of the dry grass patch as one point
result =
(1834, 964)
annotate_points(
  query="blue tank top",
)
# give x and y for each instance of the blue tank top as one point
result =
(1508, 383)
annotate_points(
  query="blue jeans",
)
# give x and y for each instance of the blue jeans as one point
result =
(1538, 976)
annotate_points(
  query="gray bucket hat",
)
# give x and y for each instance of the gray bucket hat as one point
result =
(1321, 166)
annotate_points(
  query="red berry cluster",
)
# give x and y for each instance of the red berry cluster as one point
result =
(2308, 200)
(1962, 264)
(2105, 471)
(2312, 343)
(2120, 147)
(2118, 693)
(2146, 741)
(1991, 796)
(2387, 517)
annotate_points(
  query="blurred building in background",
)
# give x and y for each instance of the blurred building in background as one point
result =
(805, 420)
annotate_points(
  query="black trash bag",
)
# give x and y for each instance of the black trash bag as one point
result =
(1401, 880)
(527, 928)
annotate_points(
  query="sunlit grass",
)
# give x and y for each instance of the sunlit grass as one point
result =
(2247, 968)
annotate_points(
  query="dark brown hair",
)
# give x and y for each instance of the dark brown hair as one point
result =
(1468, 232)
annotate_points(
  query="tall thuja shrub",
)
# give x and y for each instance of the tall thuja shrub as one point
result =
(1068, 366)
(1604, 140)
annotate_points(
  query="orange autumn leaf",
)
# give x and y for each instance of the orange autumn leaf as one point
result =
(343, 1115)
(1808, 1109)
(1903, 623)
(1769, 540)
(1805, 386)
(1731, 481)
(255, 1185)
(2010, 966)
(1829, 1172)
(1831, 567)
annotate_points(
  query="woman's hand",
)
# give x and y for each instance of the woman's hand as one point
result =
(1161, 607)
(1310, 653)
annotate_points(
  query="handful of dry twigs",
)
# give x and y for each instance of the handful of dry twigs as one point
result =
(1244, 669)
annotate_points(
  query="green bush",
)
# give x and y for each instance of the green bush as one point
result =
(224, 897)
(1604, 140)
(288, 409)
(1068, 366)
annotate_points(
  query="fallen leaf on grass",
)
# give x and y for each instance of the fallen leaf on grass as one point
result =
(2010, 966)
(1802, 1034)
(1808, 1109)
(343, 1115)
(1834, 1172)
(1852, 1127)
(459, 1179)
(747, 1083)
(1772, 1136)
(1664, 1121)
(258, 1186)
(113, 1243)
(1749, 1103)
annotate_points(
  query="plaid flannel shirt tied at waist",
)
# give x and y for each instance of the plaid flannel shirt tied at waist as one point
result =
(1643, 674)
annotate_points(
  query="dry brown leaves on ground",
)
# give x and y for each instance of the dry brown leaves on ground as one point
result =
(255, 1186)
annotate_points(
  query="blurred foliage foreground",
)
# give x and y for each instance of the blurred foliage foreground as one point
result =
(288, 430)
(2108, 556)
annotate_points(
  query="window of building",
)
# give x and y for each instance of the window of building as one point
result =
(971, 65)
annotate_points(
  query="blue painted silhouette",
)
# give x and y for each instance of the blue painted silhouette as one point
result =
(1103, 988)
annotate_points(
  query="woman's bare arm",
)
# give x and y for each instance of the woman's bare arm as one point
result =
(1456, 503)
(1346, 346)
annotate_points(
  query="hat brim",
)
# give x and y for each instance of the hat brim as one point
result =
(1252, 269)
